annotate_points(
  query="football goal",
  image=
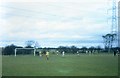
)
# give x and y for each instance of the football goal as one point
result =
(29, 50)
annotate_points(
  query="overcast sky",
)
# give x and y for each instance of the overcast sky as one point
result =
(55, 23)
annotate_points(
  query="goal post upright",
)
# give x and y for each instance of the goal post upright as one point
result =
(15, 52)
(34, 51)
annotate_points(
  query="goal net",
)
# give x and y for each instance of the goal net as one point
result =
(25, 51)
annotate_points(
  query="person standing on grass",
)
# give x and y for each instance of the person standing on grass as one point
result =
(115, 53)
(47, 55)
(77, 53)
(57, 53)
(40, 53)
(63, 53)
(118, 52)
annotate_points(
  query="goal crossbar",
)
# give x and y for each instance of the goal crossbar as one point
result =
(26, 49)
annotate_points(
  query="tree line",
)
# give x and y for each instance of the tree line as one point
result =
(10, 49)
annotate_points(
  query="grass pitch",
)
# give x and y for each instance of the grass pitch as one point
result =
(70, 65)
(0, 65)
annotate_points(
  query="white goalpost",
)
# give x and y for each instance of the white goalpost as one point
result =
(24, 49)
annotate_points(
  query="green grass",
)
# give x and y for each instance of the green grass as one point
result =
(70, 65)
(0, 65)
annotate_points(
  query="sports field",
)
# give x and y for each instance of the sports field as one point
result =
(0, 65)
(70, 65)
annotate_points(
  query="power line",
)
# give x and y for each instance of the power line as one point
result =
(46, 15)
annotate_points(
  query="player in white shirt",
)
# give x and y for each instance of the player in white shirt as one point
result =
(63, 53)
